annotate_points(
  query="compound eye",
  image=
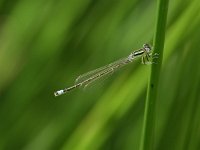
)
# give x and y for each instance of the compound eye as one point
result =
(147, 47)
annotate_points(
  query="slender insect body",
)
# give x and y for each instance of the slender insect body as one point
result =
(72, 87)
(90, 77)
(138, 53)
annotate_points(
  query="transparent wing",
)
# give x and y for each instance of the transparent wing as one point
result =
(101, 72)
(101, 75)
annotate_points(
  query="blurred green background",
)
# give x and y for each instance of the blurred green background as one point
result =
(46, 44)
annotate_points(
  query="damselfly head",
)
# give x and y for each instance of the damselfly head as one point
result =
(147, 47)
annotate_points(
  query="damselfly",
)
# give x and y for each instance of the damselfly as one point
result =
(89, 77)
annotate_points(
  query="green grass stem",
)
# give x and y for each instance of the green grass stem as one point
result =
(147, 142)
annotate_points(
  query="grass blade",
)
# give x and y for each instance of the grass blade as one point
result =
(147, 142)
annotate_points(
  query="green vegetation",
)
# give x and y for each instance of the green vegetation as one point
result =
(148, 133)
(45, 45)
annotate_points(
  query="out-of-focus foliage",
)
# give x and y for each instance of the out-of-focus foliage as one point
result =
(44, 45)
